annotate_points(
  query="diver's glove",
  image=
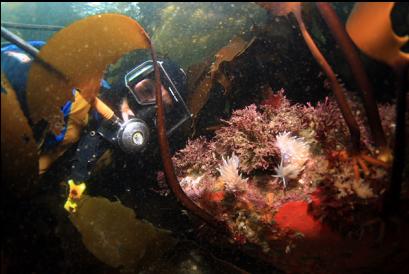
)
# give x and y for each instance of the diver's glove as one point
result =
(74, 194)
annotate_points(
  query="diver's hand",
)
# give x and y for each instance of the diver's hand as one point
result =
(76, 189)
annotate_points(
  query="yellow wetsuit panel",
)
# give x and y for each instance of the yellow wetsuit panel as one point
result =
(77, 120)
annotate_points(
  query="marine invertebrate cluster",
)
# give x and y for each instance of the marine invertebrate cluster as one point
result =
(302, 145)
(230, 175)
(196, 158)
(328, 171)
(359, 158)
(249, 137)
(366, 20)
(285, 8)
(326, 179)
(282, 116)
(294, 153)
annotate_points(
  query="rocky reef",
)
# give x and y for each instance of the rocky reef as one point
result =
(279, 175)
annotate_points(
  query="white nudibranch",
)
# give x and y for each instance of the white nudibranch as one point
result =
(294, 154)
(229, 174)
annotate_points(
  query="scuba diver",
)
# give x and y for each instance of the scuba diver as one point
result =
(132, 128)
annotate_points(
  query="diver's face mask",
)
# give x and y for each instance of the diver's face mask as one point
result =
(133, 135)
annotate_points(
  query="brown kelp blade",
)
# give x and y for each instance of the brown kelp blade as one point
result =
(370, 27)
(113, 234)
(19, 157)
(196, 75)
(235, 47)
(200, 95)
(80, 52)
(228, 53)
(196, 72)
(281, 8)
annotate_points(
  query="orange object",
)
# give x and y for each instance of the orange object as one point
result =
(295, 216)
(103, 109)
(217, 196)
(370, 27)
(322, 250)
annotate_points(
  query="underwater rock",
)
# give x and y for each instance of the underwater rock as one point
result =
(112, 233)
(319, 216)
